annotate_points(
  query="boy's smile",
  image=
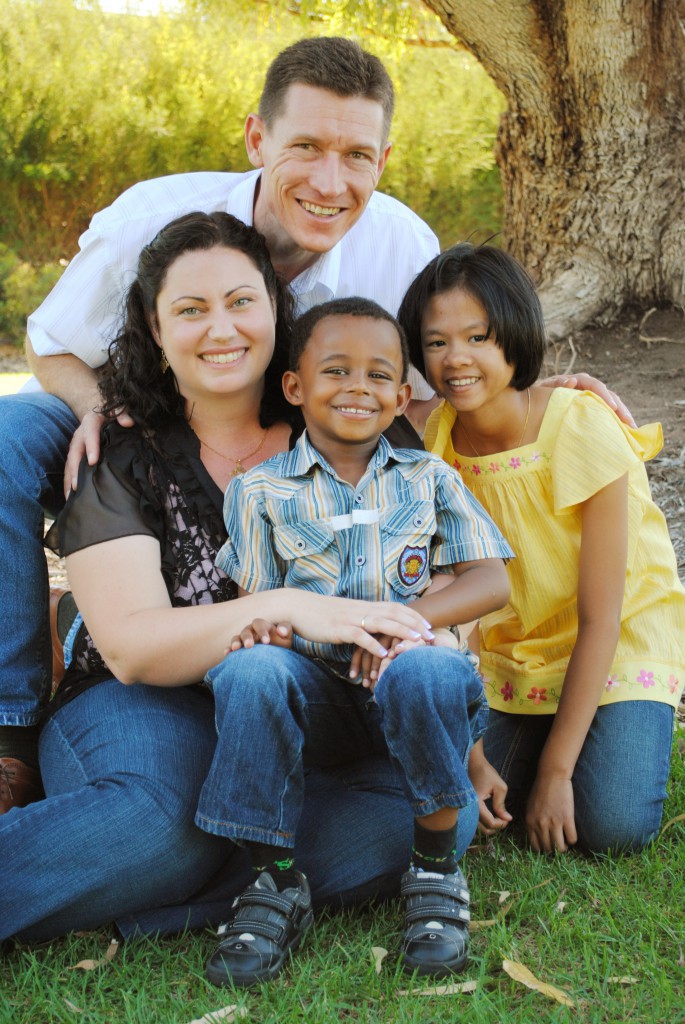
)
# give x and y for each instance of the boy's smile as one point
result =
(349, 382)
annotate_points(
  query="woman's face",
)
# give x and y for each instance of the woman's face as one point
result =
(216, 323)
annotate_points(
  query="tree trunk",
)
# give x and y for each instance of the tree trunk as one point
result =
(592, 145)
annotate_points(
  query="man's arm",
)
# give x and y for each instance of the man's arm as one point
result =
(67, 377)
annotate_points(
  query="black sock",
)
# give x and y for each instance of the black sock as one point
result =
(434, 849)
(279, 861)
(20, 741)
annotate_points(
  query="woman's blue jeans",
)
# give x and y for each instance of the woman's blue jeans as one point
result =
(35, 431)
(427, 710)
(123, 767)
(619, 782)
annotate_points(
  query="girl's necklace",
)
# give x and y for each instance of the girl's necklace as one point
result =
(518, 445)
(238, 468)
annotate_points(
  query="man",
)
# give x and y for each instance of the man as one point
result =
(319, 145)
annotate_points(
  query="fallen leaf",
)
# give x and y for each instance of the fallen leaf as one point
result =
(112, 950)
(504, 896)
(441, 990)
(521, 973)
(477, 926)
(672, 821)
(85, 965)
(379, 954)
(626, 980)
(560, 906)
(91, 965)
(73, 1007)
(226, 1013)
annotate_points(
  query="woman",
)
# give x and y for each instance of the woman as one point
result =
(198, 365)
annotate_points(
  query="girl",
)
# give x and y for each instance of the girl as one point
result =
(584, 667)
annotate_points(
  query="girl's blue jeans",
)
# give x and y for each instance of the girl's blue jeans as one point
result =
(619, 782)
(278, 713)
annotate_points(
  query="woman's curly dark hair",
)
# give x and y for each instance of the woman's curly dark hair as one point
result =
(133, 378)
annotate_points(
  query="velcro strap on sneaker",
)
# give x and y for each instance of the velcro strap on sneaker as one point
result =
(267, 929)
(438, 910)
(435, 886)
(263, 898)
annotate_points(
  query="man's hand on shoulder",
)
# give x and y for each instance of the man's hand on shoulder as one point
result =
(86, 441)
(584, 382)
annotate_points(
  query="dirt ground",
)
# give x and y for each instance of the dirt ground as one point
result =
(642, 358)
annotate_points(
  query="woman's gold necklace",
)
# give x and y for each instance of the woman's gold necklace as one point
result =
(238, 468)
(518, 445)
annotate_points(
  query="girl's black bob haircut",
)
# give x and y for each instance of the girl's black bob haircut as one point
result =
(504, 290)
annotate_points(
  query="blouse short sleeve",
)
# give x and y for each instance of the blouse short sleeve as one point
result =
(114, 499)
(593, 448)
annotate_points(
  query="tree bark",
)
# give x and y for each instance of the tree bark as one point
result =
(591, 148)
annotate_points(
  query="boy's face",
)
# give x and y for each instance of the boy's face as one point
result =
(349, 380)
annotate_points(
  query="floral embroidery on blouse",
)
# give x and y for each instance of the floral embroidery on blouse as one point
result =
(499, 465)
(508, 692)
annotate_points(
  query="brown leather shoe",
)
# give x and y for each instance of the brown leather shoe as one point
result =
(19, 784)
(56, 595)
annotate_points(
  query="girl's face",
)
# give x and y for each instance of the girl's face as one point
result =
(464, 366)
(215, 321)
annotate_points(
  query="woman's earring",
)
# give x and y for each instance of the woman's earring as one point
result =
(164, 362)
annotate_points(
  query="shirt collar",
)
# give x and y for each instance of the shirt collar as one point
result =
(304, 456)
(240, 201)
(317, 283)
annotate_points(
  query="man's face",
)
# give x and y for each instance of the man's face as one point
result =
(322, 159)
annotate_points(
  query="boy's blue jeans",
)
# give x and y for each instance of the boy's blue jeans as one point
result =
(278, 712)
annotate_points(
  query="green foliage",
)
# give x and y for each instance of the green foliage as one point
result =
(22, 288)
(91, 102)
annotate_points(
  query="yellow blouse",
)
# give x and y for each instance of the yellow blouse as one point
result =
(533, 493)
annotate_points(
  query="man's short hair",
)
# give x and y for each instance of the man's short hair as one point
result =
(327, 62)
(351, 306)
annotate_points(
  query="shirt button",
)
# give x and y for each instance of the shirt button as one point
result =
(358, 499)
(299, 544)
(418, 521)
(360, 560)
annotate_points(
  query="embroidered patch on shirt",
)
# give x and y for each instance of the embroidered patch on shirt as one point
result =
(411, 564)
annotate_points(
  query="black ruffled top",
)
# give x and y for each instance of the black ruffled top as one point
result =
(136, 488)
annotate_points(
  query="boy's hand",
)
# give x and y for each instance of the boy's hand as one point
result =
(262, 632)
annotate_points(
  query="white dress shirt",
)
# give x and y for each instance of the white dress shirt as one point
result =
(377, 259)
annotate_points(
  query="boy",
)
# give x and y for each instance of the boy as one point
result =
(343, 513)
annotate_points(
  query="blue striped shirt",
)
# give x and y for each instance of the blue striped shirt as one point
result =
(291, 521)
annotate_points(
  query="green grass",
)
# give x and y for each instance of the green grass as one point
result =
(11, 382)
(620, 918)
